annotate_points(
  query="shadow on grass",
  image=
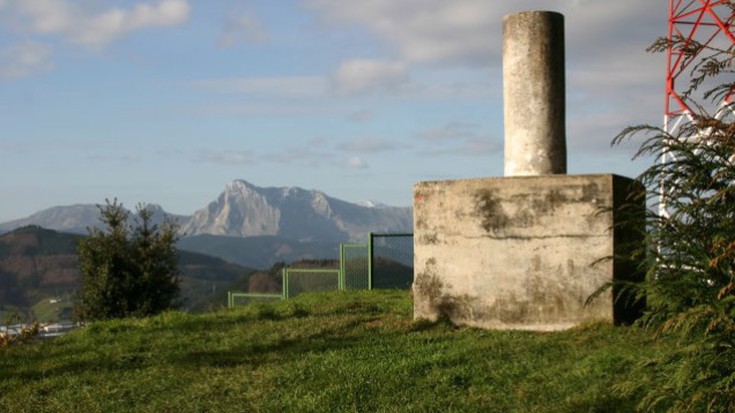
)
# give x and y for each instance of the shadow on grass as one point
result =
(60, 360)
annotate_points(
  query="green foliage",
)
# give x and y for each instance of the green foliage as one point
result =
(127, 270)
(690, 262)
(16, 332)
(337, 352)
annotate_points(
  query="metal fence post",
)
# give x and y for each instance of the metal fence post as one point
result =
(284, 282)
(370, 261)
(342, 276)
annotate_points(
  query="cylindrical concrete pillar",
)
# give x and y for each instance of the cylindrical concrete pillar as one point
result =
(534, 93)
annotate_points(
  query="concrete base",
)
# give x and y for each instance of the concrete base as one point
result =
(521, 252)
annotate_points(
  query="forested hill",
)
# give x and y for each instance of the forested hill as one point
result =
(39, 274)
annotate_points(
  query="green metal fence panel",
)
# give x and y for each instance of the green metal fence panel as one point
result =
(391, 261)
(297, 280)
(235, 299)
(354, 264)
(385, 262)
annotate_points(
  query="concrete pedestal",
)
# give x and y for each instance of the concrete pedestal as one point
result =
(521, 252)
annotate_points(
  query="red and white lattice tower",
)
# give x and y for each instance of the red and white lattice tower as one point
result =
(706, 22)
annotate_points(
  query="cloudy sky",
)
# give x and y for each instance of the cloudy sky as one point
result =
(166, 101)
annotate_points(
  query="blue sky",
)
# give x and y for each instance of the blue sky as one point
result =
(166, 101)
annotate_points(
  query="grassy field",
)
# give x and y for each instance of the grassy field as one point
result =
(48, 312)
(334, 352)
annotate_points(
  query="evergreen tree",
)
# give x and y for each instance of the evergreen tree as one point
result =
(127, 270)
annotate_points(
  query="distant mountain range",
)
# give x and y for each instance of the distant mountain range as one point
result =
(74, 219)
(253, 226)
(245, 210)
(259, 252)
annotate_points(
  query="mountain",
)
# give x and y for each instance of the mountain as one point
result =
(372, 204)
(253, 226)
(39, 273)
(74, 219)
(245, 210)
(258, 252)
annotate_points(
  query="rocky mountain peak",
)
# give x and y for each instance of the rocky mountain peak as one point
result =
(246, 210)
(239, 186)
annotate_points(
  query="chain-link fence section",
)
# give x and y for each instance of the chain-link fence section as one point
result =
(355, 265)
(391, 261)
(385, 262)
(297, 280)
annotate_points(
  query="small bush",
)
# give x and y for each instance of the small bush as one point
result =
(690, 290)
(21, 334)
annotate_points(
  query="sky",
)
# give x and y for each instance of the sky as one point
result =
(166, 101)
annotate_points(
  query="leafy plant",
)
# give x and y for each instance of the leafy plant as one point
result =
(127, 270)
(690, 286)
(16, 332)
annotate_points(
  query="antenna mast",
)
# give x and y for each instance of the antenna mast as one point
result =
(701, 22)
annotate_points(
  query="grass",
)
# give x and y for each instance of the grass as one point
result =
(46, 312)
(338, 352)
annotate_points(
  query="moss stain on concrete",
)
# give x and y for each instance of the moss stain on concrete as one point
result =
(441, 303)
(489, 209)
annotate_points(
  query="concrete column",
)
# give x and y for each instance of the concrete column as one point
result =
(534, 93)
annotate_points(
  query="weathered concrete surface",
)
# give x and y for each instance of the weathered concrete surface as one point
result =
(518, 253)
(534, 94)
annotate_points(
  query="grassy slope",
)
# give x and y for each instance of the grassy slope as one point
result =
(339, 352)
(45, 311)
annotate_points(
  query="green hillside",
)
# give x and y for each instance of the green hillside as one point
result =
(258, 252)
(333, 352)
(39, 274)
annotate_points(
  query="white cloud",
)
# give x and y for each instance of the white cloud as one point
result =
(610, 77)
(244, 28)
(450, 132)
(79, 23)
(361, 76)
(43, 16)
(472, 90)
(420, 30)
(311, 154)
(118, 158)
(361, 115)
(357, 162)
(295, 86)
(257, 109)
(367, 145)
(227, 157)
(469, 32)
(482, 146)
(458, 139)
(353, 78)
(25, 59)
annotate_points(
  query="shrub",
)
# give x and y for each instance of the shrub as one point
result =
(127, 270)
(690, 289)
